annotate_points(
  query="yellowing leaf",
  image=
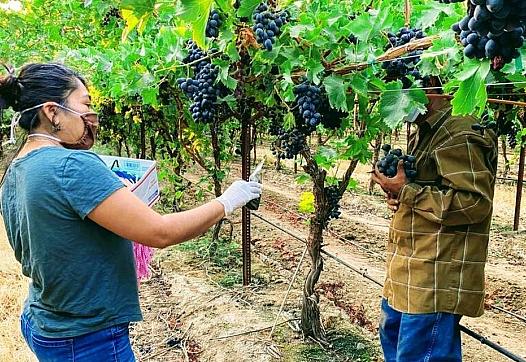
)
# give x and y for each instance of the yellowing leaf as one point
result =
(306, 203)
(131, 22)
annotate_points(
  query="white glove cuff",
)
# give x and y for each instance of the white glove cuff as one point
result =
(228, 207)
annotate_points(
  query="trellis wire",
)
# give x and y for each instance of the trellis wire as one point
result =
(332, 233)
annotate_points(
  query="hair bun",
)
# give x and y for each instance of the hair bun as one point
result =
(10, 89)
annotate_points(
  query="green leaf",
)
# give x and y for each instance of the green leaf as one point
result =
(518, 79)
(314, 68)
(224, 75)
(353, 184)
(306, 203)
(429, 14)
(196, 12)
(396, 103)
(225, 5)
(302, 178)
(230, 100)
(369, 24)
(288, 121)
(139, 7)
(247, 8)
(359, 84)
(337, 92)
(471, 94)
(149, 96)
(326, 157)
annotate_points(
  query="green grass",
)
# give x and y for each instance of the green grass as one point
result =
(222, 254)
(346, 345)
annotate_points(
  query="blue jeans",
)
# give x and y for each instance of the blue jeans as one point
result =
(109, 344)
(425, 337)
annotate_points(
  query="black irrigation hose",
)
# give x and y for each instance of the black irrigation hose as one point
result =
(464, 329)
(518, 316)
(377, 255)
(491, 344)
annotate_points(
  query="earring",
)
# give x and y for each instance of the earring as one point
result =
(55, 126)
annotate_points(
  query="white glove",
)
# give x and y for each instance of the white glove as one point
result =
(239, 194)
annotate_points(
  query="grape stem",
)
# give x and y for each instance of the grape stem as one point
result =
(172, 67)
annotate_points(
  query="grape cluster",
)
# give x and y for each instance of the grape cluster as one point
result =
(194, 54)
(493, 29)
(213, 25)
(268, 25)
(512, 135)
(352, 39)
(388, 165)
(503, 124)
(112, 13)
(333, 199)
(201, 89)
(331, 118)
(291, 143)
(306, 105)
(275, 127)
(406, 66)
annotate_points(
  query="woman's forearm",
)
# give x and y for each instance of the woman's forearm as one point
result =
(186, 225)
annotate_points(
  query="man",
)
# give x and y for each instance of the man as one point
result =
(438, 237)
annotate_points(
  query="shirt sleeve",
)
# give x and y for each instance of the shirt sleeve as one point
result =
(465, 193)
(87, 182)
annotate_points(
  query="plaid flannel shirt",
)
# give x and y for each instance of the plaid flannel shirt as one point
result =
(438, 238)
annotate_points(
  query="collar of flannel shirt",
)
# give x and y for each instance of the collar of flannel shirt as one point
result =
(436, 117)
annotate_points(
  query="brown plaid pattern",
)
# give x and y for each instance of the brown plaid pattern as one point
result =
(438, 238)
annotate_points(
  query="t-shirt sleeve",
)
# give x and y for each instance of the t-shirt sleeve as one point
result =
(87, 181)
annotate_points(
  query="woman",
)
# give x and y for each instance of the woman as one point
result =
(69, 220)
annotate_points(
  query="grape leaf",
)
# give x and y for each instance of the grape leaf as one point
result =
(306, 203)
(352, 185)
(302, 178)
(196, 13)
(225, 5)
(314, 68)
(288, 121)
(247, 8)
(359, 84)
(131, 22)
(429, 14)
(139, 7)
(471, 94)
(326, 157)
(337, 92)
(396, 103)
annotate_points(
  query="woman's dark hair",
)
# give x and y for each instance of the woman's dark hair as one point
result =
(36, 84)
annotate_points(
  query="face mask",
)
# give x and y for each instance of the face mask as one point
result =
(91, 123)
(411, 117)
(85, 142)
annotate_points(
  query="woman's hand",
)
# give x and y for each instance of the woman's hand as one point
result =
(239, 194)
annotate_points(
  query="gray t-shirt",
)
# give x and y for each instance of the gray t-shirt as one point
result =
(82, 275)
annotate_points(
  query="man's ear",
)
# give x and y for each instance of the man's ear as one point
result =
(49, 110)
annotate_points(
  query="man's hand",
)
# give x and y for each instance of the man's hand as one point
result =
(391, 185)
(392, 203)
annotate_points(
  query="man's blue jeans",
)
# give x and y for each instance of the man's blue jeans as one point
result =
(426, 337)
(106, 345)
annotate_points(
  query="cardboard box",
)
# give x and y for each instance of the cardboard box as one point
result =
(141, 173)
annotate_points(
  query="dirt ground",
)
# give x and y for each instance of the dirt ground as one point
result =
(196, 310)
